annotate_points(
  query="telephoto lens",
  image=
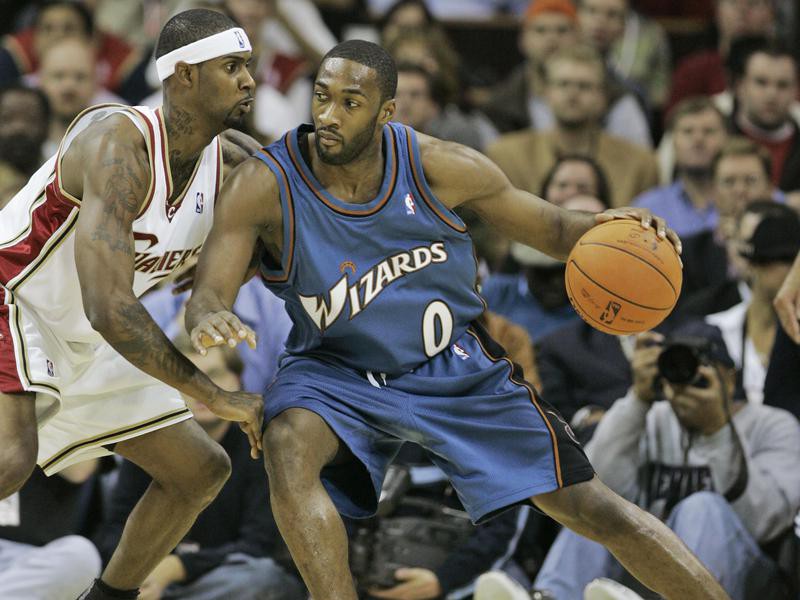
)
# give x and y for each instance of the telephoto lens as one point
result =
(681, 358)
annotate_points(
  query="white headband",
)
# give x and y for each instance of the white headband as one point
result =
(213, 46)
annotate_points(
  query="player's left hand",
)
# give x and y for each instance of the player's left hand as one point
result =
(646, 218)
(418, 584)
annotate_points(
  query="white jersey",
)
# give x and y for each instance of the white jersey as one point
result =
(37, 227)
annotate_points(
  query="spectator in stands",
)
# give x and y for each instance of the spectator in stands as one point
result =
(289, 39)
(536, 297)
(44, 549)
(714, 277)
(698, 134)
(67, 77)
(24, 117)
(765, 95)
(721, 472)
(702, 73)
(768, 239)
(520, 101)
(641, 55)
(421, 105)
(576, 90)
(405, 15)
(229, 551)
(120, 68)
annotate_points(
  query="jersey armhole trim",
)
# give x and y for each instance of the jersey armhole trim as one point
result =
(287, 205)
(422, 186)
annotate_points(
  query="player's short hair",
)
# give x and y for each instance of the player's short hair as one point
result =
(189, 26)
(742, 146)
(35, 94)
(372, 56)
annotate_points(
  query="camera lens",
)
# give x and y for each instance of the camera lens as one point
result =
(678, 364)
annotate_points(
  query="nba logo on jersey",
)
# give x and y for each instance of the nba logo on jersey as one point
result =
(460, 352)
(239, 38)
(198, 203)
(51, 370)
(411, 208)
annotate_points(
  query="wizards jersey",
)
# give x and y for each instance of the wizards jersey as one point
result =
(381, 286)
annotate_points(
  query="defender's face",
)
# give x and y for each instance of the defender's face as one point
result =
(347, 110)
(226, 88)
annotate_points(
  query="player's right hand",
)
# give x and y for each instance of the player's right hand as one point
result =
(247, 409)
(220, 328)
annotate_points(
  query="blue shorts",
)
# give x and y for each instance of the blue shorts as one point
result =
(468, 407)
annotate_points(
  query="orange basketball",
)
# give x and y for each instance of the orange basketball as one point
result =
(623, 279)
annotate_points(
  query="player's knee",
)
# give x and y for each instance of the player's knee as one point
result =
(18, 461)
(285, 453)
(202, 481)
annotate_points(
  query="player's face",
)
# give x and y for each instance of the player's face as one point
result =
(347, 110)
(698, 138)
(768, 89)
(544, 35)
(227, 88)
(572, 178)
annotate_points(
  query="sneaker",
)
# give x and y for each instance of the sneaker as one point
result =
(496, 585)
(606, 589)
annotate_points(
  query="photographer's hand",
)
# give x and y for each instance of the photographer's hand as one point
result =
(644, 365)
(418, 584)
(700, 407)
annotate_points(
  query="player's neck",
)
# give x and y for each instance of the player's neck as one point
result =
(357, 181)
(187, 135)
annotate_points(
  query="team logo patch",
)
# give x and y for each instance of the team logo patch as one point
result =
(171, 213)
(411, 207)
(51, 369)
(460, 352)
(198, 203)
(347, 266)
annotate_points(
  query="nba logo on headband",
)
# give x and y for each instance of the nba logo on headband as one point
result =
(239, 38)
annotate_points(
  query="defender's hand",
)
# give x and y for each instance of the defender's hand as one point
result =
(220, 328)
(247, 409)
(646, 218)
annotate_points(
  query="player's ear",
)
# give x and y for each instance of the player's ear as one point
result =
(387, 111)
(185, 74)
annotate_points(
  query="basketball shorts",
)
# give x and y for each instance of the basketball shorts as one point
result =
(87, 395)
(469, 407)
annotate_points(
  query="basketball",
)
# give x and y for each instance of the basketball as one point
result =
(623, 279)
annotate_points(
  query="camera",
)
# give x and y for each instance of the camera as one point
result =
(681, 358)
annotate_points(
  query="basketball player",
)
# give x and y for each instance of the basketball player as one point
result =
(377, 271)
(128, 199)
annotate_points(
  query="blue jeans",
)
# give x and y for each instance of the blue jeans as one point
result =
(243, 578)
(707, 525)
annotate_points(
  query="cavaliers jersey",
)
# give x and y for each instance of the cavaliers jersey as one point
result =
(37, 227)
(381, 286)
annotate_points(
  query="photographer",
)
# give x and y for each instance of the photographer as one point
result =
(720, 472)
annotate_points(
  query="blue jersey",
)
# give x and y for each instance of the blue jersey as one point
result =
(381, 286)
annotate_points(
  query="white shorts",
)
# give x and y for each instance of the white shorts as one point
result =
(88, 396)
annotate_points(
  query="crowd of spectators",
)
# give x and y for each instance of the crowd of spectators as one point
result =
(690, 109)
